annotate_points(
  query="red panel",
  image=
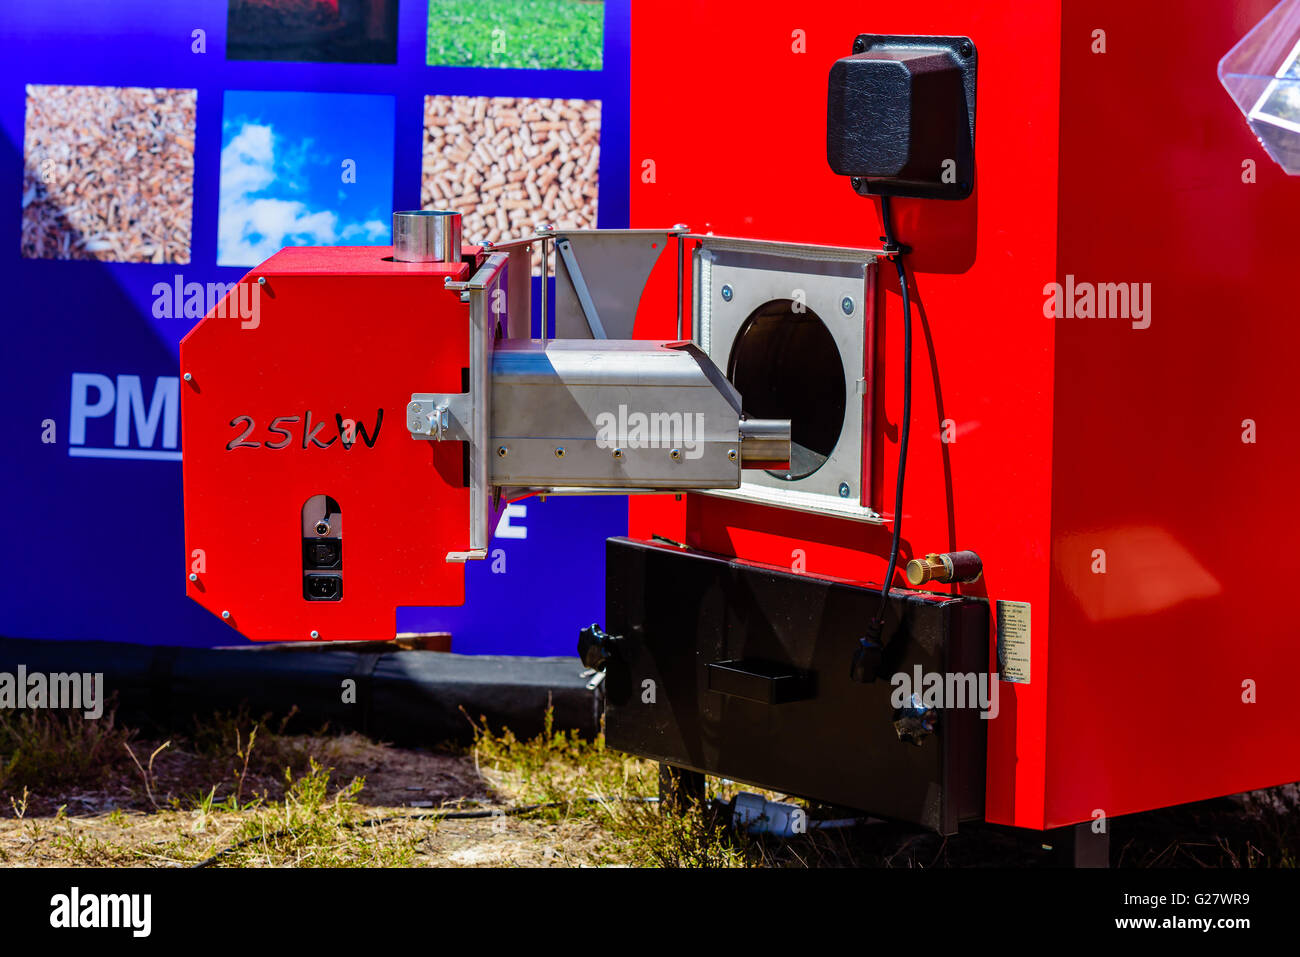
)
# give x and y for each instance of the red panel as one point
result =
(735, 129)
(1074, 437)
(1149, 659)
(338, 331)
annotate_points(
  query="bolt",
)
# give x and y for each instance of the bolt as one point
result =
(315, 634)
(261, 280)
(188, 377)
(618, 453)
(193, 577)
(859, 44)
(844, 490)
(225, 615)
(675, 455)
(416, 407)
(559, 451)
(727, 293)
(501, 451)
(846, 304)
(731, 455)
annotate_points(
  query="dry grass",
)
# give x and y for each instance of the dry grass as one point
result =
(237, 792)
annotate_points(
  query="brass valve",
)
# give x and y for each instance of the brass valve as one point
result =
(944, 567)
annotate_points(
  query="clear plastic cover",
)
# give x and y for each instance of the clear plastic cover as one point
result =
(1262, 75)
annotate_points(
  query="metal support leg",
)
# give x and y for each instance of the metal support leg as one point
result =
(680, 788)
(1080, 846)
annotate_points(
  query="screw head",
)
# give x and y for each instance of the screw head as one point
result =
(675, 455)
(225, 615)
(727, 293)
(559, 451)
(966, 49)
(322, 528)
(846, 305)
(856, 183)
(261, 280)
(859, 44)
(189, 377)
(315, 634)
(731, 455)
(193, 577)
(502, 451)
(844, 490)
(617, 453)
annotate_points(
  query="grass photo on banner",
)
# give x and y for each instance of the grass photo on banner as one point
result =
(303, 169)
(312, 31)
(108, 173)
(522, 34)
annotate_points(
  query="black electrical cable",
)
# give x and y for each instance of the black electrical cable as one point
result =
(870, 645)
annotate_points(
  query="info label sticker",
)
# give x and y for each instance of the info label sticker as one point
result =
(1013, 641)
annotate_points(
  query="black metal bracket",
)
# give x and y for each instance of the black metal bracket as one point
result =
(886, 139)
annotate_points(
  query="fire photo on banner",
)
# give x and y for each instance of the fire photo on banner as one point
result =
(315, 31)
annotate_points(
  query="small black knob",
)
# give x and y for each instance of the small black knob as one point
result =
(916, 722)
(595, 647)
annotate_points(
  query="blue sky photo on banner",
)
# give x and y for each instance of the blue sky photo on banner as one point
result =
(153, 151)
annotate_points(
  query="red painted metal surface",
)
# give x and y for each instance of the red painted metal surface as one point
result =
(1072, 435)
(339, 331)
(1148, 663)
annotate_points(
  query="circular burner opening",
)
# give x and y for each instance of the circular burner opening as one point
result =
(785, 365)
